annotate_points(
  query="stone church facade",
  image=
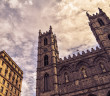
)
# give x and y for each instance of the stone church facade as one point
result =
(87, 74)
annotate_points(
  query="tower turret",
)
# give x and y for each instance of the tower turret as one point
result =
(48, 57)
(100, 26)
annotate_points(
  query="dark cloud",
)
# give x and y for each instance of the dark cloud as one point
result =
(19, 31)
(6, 12)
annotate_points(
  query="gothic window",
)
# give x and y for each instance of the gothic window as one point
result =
(66, 77)
(84, 72)
(101, 22)
(109, 36)
(108, 94)
(45, 41)
(45, 60)
(46, 82)
(102, 67)
(92, 95)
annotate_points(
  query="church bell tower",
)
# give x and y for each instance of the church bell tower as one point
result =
(48, 57)
(100, 26)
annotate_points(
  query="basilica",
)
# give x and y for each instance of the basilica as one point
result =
(86, 74)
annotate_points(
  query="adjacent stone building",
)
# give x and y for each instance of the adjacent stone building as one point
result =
(10, 76)
(87, 74)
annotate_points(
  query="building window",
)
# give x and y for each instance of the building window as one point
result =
(109, 36)
(6, 67)
(108, 94)
(102, 67)
(1, 89)
(0, 70)
(45, 41)
(17, 76)
(2, 63)
(6, 71)
(10, 94)
(66, 77)
(13, 79)
(16, 82)
(20, 79)
(11, 88)
(7, 85)
(18, 93)
(6, 92)
(46, 82)
(15, 91)
(45, 60)
(84, 72)
(3, 82)
(19, 86)
(91, 95)
(9, 75)
(101, 22)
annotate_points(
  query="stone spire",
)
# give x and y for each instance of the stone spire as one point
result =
(50, 30)
(100, 10)
(87, 14)
(40, 33)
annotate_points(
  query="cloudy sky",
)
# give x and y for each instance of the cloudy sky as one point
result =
(20, 21)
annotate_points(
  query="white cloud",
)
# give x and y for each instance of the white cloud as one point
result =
(14, 3)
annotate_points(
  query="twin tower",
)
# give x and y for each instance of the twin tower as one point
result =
(87, 74)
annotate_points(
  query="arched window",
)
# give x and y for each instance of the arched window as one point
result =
(45, 41)
(101, 22)
(46, 82)
(66, 77)
(84, 72)
(102, 67)
(45, 60)
(109, 36)
(92, 95)
(108, 94)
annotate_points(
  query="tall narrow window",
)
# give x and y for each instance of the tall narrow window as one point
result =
(2, 62)
(84, 72)
(7, 85)
(19, 86)
(6, 92)
(45, 60)
(108, 94)
(91, 95)
(46, 82)
(0, 70)
(101, 22)
(10, 94)
(102, 67)
(66, 77)
(3, 81)
(109, 36)
(1, 89)
(45, 41)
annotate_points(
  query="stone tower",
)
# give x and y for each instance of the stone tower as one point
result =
(100, 26)
(48, 57)
(86, 74)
